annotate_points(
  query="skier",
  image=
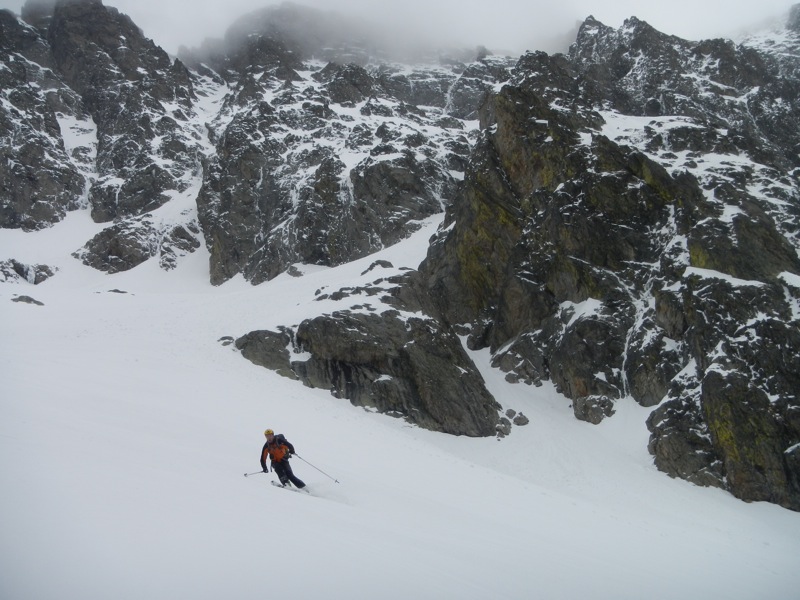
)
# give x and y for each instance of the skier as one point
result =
(279, 450)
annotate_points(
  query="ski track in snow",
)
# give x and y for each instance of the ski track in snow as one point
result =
(126, 426)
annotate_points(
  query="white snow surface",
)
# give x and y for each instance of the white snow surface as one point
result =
(126, 428)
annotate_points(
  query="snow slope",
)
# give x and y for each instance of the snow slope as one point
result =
(126, 427)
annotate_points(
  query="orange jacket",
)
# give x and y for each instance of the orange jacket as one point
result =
(277, 450)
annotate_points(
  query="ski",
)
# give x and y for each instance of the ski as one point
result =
(291, 488)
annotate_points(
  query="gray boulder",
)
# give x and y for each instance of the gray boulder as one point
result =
(14, 270)
(408, 367)
(593, 409)
(131, 242)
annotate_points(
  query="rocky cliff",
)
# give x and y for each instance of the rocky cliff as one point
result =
(629, 229)
(623, 219)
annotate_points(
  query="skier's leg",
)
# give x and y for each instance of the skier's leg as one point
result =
(290, 475)
(280, 469)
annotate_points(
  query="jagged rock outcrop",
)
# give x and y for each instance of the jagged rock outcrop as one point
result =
(397, 364)
(96, 115)
(542, 269)
(326, 163)
(331, 156)
(127, 244)
(15, 271)
(136, 97)
(593, 409)
(38, 182)
(619, 233)
(382, 353)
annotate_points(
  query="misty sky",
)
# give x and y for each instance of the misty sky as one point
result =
(511, 25)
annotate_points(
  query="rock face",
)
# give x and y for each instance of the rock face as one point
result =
(39, 184)
(136, 97)
(403, 366)
(382, 353)
(279, 156)
(325, 163)
(131, 242)
(15, 271)
(623, 220)
(98, 117)
(628, 227)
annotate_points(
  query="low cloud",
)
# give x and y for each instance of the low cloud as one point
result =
(501, 25)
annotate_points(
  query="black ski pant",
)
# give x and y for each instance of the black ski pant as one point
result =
(284, 471)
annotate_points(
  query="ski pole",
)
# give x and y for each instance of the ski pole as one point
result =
(255, 473)
(318, 469)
